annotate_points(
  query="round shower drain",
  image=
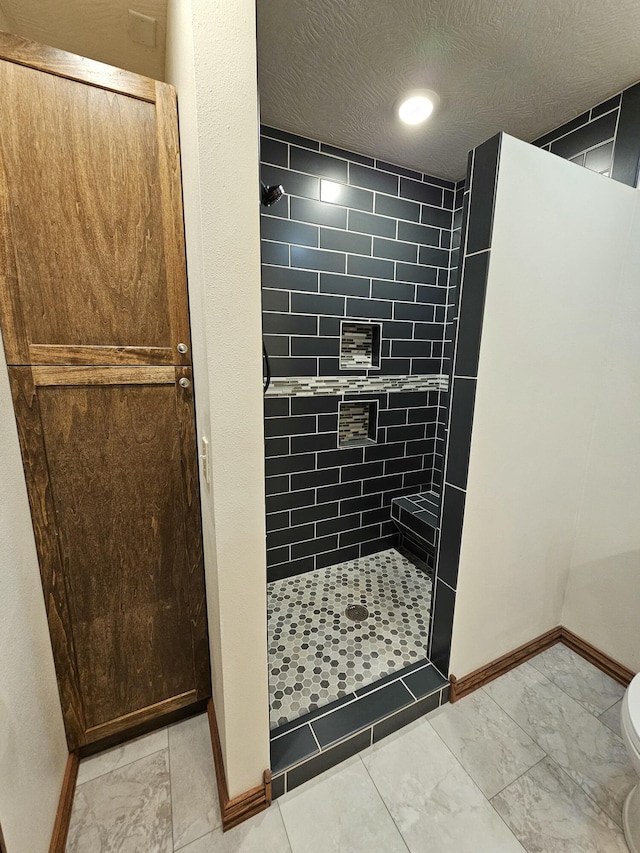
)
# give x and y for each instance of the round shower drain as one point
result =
(356, 612)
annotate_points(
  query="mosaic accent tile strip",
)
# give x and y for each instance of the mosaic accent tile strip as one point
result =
(311, 386)
(318, 655)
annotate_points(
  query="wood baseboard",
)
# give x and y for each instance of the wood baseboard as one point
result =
(608, 665)
(241, 808)
(63, 815)
(478, 678)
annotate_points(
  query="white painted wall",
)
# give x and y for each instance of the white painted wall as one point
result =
(211, 59)
(558, 250)
(33, 748)
(602, 602)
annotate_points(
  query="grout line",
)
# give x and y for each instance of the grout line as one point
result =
(373, 782)
(580, 127)
(560, 687)
(415, 698)
(616, 820)
(505, 711)
(121, 766)
(524, 773)
(314, 735)
(472, 780)
(503, 819)
(286, 831)
(193, 840)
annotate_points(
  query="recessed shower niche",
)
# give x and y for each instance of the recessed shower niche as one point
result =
(357, 422)
(359, 346)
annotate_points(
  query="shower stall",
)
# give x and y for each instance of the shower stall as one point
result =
(374, 284)
(358, 258)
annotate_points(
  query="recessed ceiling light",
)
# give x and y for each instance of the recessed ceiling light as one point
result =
(416, 107)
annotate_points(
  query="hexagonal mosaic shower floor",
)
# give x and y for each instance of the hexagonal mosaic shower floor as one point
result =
(317, 654)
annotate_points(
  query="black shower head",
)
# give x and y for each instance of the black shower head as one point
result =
(271, 195)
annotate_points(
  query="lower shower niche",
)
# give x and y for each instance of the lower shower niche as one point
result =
(357, 423)
(318, 654)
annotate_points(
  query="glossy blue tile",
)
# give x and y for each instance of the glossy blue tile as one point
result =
(292, 748)
(352, 718)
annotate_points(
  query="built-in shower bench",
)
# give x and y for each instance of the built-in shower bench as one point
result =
(418, 520)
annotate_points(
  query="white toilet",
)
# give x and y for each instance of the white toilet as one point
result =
(631, 737)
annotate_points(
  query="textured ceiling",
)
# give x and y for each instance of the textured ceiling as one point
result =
(332, 70)
(94, 28)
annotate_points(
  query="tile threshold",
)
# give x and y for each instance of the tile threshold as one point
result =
(346, 727)
(351, 697)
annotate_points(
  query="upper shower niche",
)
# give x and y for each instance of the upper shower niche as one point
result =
(360, 346)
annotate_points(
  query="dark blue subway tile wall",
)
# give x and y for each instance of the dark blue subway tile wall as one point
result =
(379, 252)
(604, 139)
(591, 129)
(626, 155)
(320, 498)
(474, 197)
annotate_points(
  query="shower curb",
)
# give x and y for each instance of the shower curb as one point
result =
(320, 741)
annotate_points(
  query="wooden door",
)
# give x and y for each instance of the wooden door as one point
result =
(94, 315)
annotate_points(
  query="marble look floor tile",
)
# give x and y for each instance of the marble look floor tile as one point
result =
(611, 718)
(264, 833)
(433, 801)
(125, 811)
(580, 743)
(584, 682)
(549, 813)
(120, 756)
(194, 794)
(339, 811)
(490, 746)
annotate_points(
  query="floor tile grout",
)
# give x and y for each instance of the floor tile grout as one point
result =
(559, 686)
(286, 831)
(587, 794)
(531, 736)
(120, 766)
(515, 722)
(520, 775)
(384, 802)
(473, 782)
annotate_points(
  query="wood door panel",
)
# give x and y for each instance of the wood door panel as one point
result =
(43, 519)
(53, 61)
(67, 355)
(86, 216)
(115, 461)
(93, 307)
(86, 375)
(193, 530)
